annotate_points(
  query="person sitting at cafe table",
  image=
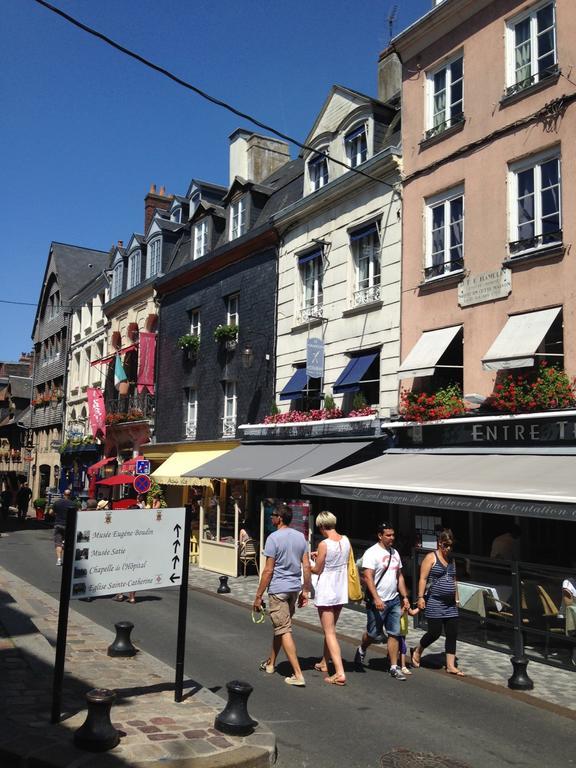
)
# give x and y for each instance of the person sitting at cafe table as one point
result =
(507, 545)
(569, 591)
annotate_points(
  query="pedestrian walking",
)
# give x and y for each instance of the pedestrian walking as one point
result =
(61, 508)
(331, 592)
(6, 498)
(23, 496)
(440, 601)
(287, 561)
(385, 594)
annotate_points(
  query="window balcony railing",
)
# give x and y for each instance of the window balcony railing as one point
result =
(314, 312)
(229, 426)
(529, 244)
(134, 407)
(526, 82)
(444, 268)
(436, 130)
(190, 430)
(366, 295)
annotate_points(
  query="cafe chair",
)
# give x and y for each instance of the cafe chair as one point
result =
(553, 618)
(249, 554)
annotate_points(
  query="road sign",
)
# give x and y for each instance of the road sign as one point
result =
(127, 551)
(315, 358)
(143, 466)
(142, 483)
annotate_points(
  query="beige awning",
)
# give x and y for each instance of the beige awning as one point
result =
(425, 354)
(516, 344)
(172, 470)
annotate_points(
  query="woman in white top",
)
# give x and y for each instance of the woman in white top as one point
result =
(331, 591)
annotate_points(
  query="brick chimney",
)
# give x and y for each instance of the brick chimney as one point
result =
(155, 200)
(254, 157)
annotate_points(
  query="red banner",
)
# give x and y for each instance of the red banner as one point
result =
(146, 361)
(97, 411)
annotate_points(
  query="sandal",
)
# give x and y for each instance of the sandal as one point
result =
(319, 667)
(415, 662)
(456, 672)
(335, 680)
(132, 600)
(119, 598)
(265, 666)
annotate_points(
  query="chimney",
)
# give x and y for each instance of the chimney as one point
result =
(120, 243)
(254, 157)
(154, 200)
(389, 75)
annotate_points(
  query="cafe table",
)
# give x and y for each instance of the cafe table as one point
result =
(472, 596)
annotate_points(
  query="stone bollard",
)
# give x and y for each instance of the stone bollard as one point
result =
(520, 680)
(97, 734)
(223, 589)
(234, 718)
(122, 645)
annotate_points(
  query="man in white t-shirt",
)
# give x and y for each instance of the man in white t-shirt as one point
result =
(386, 591)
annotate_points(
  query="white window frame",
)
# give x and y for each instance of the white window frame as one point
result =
(134, 262)
(312, 287)
(117, 276)
(191, 420)
(195, 323)
(444, 199)
(367, 289)
(230, 409)
(154, 261)
(238, 218)
(318, 171)
(176, 215)
(434, 126)
(233, 309)
(356, 144)
(534, 162)
(201, 238)
(515, 85)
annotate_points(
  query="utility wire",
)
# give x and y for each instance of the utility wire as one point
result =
(203, 94)
(20, 303)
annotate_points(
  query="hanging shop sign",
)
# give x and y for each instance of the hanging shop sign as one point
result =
(315, 358)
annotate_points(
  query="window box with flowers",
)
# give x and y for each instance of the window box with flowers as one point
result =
(445, 403)
(189, 343)
(545, 388)
(226, 334)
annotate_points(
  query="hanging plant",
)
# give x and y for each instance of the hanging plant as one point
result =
(189, 342)
(226, 333)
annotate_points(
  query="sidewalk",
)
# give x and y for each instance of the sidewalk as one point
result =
(552, 686)
(153, 727)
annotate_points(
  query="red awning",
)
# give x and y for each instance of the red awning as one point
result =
(123, 479)
(93, 468)
(109, 358)
(130, 464)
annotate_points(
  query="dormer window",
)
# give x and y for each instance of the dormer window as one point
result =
(134, 261)
(356, 144)
(237, 218)
(154, 257)
(116, 287)
(201, 238)
(318, 171)
(176, 215)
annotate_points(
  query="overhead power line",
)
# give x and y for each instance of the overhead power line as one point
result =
(200, 92)
(20, 303)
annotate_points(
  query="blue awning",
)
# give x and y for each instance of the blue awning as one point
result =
(310, 255)
(293, 390)
(358, 234)
(353, 373)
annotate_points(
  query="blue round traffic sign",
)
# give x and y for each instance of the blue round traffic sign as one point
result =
(142, 483)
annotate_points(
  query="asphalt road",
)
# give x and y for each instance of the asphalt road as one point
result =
(321, 726)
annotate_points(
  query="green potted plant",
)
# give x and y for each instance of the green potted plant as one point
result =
(226, 334)
(189, 343)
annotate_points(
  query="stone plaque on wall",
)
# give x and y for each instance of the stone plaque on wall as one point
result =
(486, 286)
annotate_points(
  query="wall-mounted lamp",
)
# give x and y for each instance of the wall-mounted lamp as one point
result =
(34, 470)
(247, 355)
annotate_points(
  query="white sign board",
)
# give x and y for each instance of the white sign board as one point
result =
(127, 550)
(487, 286)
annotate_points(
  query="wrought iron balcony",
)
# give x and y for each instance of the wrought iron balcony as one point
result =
(190, 430)
(229, 426)
(366, 295)
(314, 312)
(526, 82)
(444, 268)
(134, 407)
(436, 130)
(528, 244)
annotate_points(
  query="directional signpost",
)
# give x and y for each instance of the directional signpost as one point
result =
(110, 551)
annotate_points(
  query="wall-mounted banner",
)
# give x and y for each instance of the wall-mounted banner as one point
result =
(127, 550)
(146, 356)
(97, 411)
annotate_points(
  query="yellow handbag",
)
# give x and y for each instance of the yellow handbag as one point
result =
(355, 594)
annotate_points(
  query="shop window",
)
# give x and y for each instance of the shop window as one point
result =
(448, 370)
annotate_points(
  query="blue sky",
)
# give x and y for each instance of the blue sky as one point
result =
(84, 130)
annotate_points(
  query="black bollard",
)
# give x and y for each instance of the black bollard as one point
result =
(97, 734)
(520, 680)
(223, 589)
(234, 718)
(122, 645)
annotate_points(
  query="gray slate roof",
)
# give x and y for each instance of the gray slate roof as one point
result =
(21, 386)
(72, 266)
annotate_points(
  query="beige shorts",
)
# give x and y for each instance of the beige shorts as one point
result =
(281, 612)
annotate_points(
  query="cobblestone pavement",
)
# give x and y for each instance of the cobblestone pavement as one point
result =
(153, 727)
(551, 685)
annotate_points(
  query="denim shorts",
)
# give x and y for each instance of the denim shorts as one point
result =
(386, 622)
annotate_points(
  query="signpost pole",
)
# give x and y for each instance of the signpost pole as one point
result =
(183, 602)
(65, 586)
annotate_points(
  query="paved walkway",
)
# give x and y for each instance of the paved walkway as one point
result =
(153, 728)
(551, 685)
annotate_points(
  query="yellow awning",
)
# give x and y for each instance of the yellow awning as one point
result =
(170, 472)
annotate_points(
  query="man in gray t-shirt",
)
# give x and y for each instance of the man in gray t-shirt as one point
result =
(287, 559)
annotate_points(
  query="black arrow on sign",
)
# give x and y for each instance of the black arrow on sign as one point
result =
(174, 578)
(176, 544)
(175, 560)
(177, 528)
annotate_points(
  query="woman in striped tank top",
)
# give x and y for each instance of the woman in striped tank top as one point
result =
(441, 603)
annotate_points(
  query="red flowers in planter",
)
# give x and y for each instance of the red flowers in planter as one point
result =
(545, 388)
(421, 406)
(297, 416)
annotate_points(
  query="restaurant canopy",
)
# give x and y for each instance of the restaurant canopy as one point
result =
(122, 479)
(294, 387)
(288, 462)
(172, 471)
(517, 343)
(423, 358)
(524, 484)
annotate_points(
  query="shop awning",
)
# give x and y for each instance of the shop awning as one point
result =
(109, 358)
(93, 468)
(425, 354)
(293, 390)
(349, 379)
(518, 341)
(122, 479)
(529, 485)
(171, 472)
(130, 464)
(289, 462)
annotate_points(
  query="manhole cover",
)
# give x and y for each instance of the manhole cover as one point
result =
(404, 758)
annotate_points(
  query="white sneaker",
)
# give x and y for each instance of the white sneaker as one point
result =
(58, 562)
